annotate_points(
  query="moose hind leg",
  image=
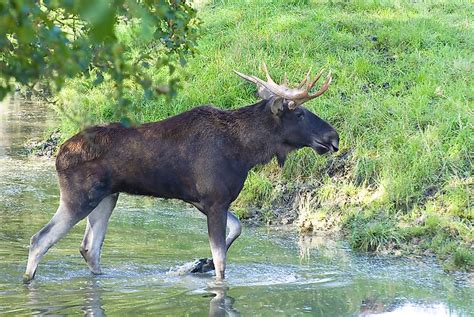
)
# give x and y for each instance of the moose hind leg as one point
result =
(235, 228)
(96, 228)
(63, 220)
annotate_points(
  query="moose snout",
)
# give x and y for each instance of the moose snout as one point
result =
(328, 142)
(334, 145)
(332, 140)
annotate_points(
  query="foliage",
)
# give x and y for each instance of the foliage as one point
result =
(51, 40)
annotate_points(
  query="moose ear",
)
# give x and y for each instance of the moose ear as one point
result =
(276, 105)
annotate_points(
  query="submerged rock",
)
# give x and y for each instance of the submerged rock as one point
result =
(197, 266)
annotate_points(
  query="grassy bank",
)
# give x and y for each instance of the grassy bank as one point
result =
(401, 99)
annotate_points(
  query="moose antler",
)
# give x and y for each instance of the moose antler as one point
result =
(297, 96)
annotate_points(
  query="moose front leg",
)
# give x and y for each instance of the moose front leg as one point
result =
(235, 228)
(216, 225)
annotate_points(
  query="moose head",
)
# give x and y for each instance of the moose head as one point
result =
(299, 126)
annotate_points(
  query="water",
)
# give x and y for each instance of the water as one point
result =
(271, 272)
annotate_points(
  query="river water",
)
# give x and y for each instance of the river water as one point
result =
(271, 271)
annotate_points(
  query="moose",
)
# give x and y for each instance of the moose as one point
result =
(201, 156)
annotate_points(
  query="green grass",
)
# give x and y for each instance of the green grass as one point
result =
(369, 233)
(401, 99)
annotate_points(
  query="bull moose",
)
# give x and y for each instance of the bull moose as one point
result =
(201, 156)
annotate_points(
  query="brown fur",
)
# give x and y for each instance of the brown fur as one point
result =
(86, 146)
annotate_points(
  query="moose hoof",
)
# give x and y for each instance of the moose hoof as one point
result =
(203, 266)
(95, 271)
(27, 278)
(93, 267)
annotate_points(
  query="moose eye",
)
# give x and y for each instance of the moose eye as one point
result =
(300, 114)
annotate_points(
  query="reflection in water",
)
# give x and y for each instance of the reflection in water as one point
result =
(328, 248)
(91, 292)
(370, 306)
(221, 304)
(92, 299)
(418, 310)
